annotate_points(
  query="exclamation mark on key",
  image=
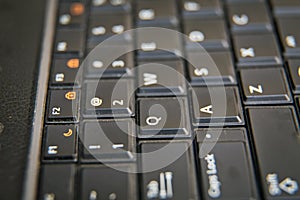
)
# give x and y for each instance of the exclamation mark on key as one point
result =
(169, 176)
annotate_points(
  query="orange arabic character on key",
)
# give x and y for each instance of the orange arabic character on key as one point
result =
(73, 63)
(70, 95)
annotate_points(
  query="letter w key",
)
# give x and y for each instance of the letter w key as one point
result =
(168, 82)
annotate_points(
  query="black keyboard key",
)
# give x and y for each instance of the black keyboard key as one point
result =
(109, 98)
(102, 26)
(117, 40)
(249, 17)
(71, 15)
(294, 68)
(109, 141)
(104, 182)
(276, 138)
(211, 33)
(171, 171)
(217, 106)
(57, 182)
(65, 71)
(63, 105)
(290, 35)
(104, 67)
(265, 86)
(60, 142)
(161, 78)
(163, 117)
(286, 7)
(211, 8)
(256, 49)
(227, 166)
(214, 68)
(167, 45)
(69, 41)
(156, 13)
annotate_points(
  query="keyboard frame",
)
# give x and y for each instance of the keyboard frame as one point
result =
(35, 147)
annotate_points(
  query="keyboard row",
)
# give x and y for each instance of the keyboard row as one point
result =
(253, 39)
(223, 163)
(108, 98)
(210, 29)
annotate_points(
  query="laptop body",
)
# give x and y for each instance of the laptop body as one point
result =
(241, 131)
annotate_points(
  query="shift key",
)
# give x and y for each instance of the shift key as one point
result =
(277, 143)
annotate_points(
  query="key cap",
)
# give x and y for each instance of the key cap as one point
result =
(265, 86)
(103, 67)
(156, 13)
(65, 71)
(227, 166)
(109, 98)
(117, 40)
(63, 105)
(109, 141)
(102, 26)
(163, 117)
(71, 15)
(206, 113)
(286, 7)
(256, 50)
(294, 68)
(161, 78)
(193, 8)
(60, 142)
(210, 33)
(249, 16)
(216, 68)
(276, 139)
(57, 182)
(167, 45)
(176, 180)
(102, 182)
(290, 35)
(69, 41)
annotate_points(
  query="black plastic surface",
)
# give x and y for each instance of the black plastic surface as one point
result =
(20, 41)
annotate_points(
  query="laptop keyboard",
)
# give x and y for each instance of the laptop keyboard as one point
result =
(128, 132)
